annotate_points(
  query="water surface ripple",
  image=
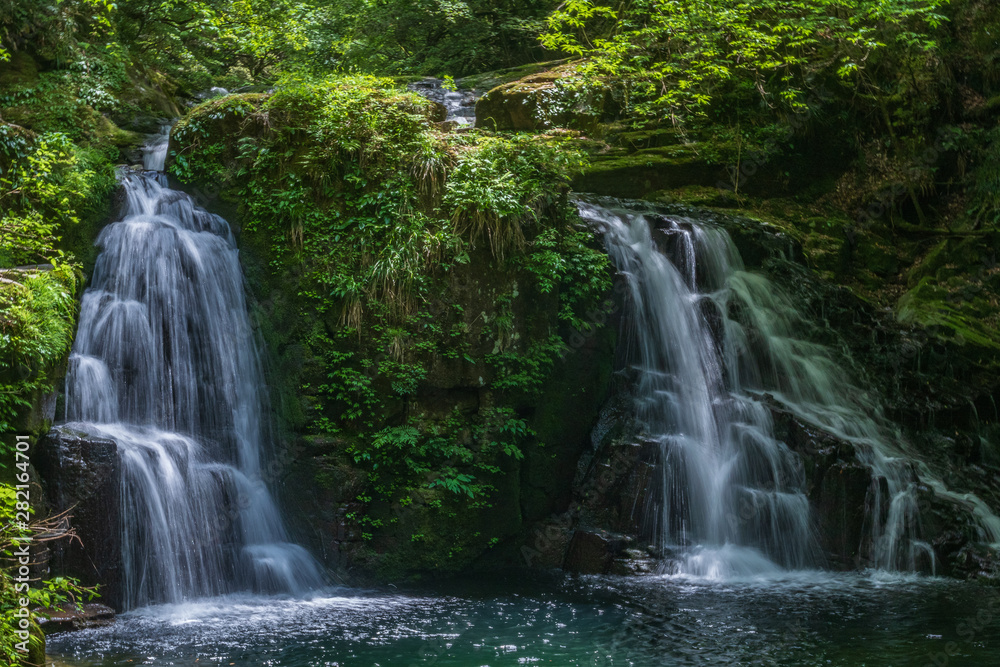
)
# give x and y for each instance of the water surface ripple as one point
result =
(800, 619)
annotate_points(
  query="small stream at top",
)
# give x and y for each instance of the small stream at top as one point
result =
(460, 104)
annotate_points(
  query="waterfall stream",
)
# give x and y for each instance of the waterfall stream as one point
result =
(165, 363)
(460, 105)
(709, 340)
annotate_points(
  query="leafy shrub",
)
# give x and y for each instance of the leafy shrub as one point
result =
(369, 212)
(677, 55)
(45, 594)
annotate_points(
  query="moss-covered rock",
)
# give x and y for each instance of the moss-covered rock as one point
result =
(952, 291)
(492, 79)
(20, 70)
(636, 173)
(86, 105)
(432, 308)
(549, 99)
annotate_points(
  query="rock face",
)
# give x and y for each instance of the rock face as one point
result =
(605, 531)
(82, 477)
(589, 553)
(547, 100)
(432, 533)
(837, 486)
(67, 617)
(599, 552)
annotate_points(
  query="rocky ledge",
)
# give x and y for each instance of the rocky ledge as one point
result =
(68, 616)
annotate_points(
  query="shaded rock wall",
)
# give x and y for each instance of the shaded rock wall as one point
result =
(415, 438)
(81, 476)
(604, 529)
(431, 531)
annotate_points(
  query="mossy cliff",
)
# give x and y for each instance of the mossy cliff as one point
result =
(57, 156)
(433, 312)
(888, 199)
(890, 193)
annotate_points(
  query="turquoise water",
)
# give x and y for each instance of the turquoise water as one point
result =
(802, 619)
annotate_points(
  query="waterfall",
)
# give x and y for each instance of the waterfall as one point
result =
(165, 363)
(154, 152)
(460, 105)
(709, 340)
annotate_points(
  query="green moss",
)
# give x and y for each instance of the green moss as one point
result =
(649, 137)
(932, 262)
(418, 289)
(638, 174)
(36, 330)
(20, 71)
(490, 80)
(74, 101)
(927, 305)
(107, 133)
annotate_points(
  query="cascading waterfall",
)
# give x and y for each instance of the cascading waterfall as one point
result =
(165, 363)
(154, 152)
(710, 339)
(717, 452)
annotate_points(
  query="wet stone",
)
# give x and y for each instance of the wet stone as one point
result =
(69, 617)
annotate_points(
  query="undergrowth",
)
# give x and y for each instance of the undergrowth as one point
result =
(417, 258)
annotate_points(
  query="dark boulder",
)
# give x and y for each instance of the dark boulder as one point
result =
(589, 553)
(82, 477)
(596, 552)
(67, 617)
(976, 561)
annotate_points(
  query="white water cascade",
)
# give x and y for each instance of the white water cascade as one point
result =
(710, 339)
(154, 152)
(165, 363)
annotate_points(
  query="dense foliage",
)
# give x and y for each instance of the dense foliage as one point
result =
(455, 37)
(677, 55)
(234, 43)
(376, 222)
(373, 222)
(47, 184)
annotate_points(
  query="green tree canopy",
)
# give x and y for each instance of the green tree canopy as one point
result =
(676, 53)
